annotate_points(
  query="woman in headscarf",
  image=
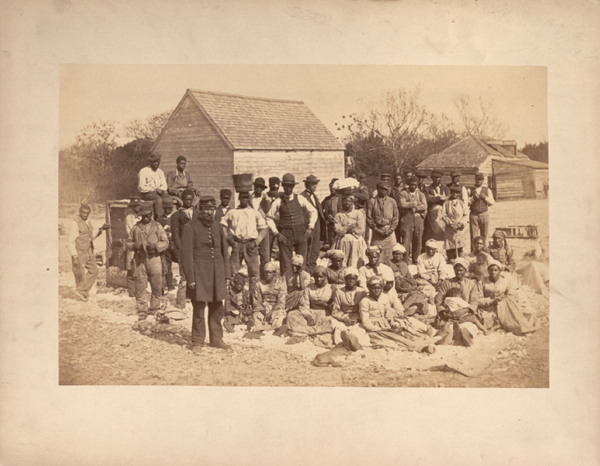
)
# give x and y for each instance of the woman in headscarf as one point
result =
(349, 227)
(315, 305)
(455, 216)
(500, 251)
(404, 281)
(499, 304)
(335, 269)
(296, 281)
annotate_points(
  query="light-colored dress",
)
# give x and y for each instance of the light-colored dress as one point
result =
(454, 211)
(315, 303)
(349, 230)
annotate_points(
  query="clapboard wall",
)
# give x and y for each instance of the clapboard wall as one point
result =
(325, 165)
(209, 159)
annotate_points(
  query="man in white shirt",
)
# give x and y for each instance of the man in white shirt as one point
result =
(81, 246)
(480, 199)
(247, 228)
(152, 184)
(292, 219)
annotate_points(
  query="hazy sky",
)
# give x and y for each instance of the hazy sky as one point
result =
(124, 92)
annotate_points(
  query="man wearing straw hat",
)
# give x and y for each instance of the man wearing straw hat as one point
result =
(292, 219)
(206, 267)
(148, 240)
(152, 183)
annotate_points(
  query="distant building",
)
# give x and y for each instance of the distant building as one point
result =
(509, 173)
(224, 134)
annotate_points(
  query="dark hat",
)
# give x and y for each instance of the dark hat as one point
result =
(479, 176)
(361, 197)
(311, 179)
(154, 157)
(421, 174)
(455, 173)
(208, 201)
(147, 208)
(437, 173)
(413, 178)
(225, 192)
(167, 200)
(260, 182)
(383, 184)
(274, 180)
(244, 194)
(288, 178)
(455, 189)
(348, 191)
(361, 177)
(135, 201)
(385, 176)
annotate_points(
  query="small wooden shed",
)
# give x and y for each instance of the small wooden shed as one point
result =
(509, 173)
(225, 134)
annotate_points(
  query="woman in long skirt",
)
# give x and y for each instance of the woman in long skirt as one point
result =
(349, 227)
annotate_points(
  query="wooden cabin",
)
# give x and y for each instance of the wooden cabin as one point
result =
(509, 173)
(224, 134)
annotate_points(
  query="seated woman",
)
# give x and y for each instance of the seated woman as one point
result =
(382, 330)
(335, 269)
(478, 260)
(500, 251)
(345, 317)
(404, 281)
(269, 296)
(431, 267)
(237, 304)
(349, 226)
(395, 308)
(296, 280)
(457, 322)
(311, 318)
(499, 305)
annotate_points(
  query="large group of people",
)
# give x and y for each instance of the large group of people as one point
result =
(358, 268)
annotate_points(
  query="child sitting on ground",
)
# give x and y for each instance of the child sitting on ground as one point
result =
(458, 310)
(237, 303)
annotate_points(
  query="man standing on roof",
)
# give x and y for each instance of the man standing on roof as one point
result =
(292, 219)
(480, 199)
(314, 242)
(152, 184)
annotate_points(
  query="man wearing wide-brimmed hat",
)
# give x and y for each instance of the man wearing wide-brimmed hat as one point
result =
(152, 183)
(314, 242)
(206, 267)
(149, 241)
(291, 219)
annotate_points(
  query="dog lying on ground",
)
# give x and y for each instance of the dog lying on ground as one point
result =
(333, 357)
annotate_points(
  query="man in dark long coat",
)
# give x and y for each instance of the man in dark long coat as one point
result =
(206, 267)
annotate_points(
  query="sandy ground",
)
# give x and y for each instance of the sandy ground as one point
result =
(100, 343)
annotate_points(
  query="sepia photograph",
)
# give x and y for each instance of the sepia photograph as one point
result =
(304, 225)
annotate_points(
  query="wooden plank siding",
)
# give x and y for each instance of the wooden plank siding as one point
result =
(323, 164)
(209, 159)
(541, 178)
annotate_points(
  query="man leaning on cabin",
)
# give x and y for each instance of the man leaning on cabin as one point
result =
(152, 184)
(480, 199)
(81, 247)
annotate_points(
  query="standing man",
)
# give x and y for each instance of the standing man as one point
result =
(422, 177)
(265, 205)
(259, 192)
(397, 188)
(131, 220)
(81, 247)
(274, 184)
(436, 195)
(314, 242)
(257, 199)
(247, 228)
(413, 209)
(149, 241)
(291, 219)
(206, 267)
(179, 220)
(329, 214)
(382, 218)
(480, 199)
(167, 256)
(463, 194)
(225, 198)
(152, 184)
(179, 179)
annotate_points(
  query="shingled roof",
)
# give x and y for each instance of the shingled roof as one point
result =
(253, 123)
(469, 153)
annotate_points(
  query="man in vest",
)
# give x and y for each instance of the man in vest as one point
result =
(480, 199)
(149, 240)
(81, 246)
(152, 183)
(291, 219)
(314, 242)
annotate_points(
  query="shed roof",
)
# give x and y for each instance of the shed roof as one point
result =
(469, 152)
(254, 123)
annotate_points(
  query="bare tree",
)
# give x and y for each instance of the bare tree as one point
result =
(148, 128)
(478, 119)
